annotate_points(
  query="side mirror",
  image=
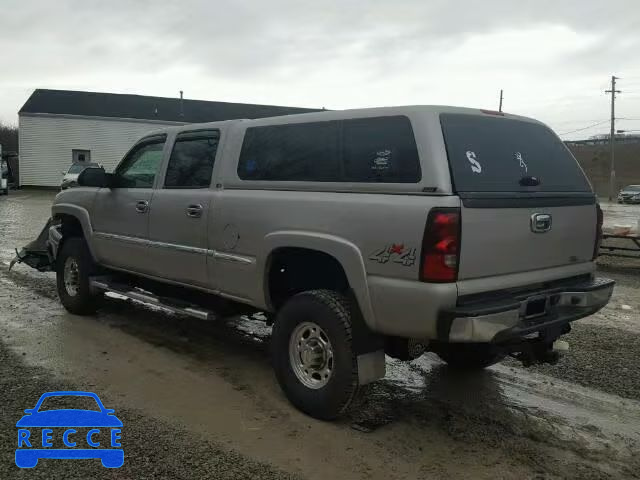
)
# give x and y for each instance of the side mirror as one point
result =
(29, 411)
(94, 177)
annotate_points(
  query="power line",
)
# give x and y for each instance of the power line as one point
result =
(585, 128)
(564, 122)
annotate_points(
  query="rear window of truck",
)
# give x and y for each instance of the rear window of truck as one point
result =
(373, 150)
(496, 154)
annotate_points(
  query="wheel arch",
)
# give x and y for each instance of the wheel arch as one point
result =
(77, 218)
(343, 252)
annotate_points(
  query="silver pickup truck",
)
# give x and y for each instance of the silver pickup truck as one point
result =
(464, 232)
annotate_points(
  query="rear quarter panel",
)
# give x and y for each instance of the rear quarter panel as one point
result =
(385, 232)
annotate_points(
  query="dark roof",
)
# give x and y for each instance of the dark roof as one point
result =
(94, 104)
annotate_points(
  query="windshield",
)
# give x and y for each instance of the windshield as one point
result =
(63, 402)
(631, 188)
(76, 168)
(496, 154)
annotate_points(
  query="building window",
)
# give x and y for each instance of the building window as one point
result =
(80, 156)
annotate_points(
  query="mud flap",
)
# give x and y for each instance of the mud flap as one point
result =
(368, 347)
(36, 253)
(371, 367)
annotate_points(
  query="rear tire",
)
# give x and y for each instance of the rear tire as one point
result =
(312, 353)
(469, 356)
(74, 266)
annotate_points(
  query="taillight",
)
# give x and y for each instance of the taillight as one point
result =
(599, 218)
(441, 246)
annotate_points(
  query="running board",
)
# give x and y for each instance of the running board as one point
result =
(174, 305)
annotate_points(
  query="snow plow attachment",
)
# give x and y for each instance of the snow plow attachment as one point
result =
(36, 254)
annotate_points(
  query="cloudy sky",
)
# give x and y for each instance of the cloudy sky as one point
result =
(554, 59)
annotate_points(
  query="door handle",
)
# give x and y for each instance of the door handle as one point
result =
(194, 211)
(142, 206)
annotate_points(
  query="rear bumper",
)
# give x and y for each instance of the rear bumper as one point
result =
(519, 317)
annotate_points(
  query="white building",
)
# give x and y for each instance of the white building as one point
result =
(60, 127)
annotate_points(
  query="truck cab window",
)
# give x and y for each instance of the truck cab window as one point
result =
(192, 159)
(140, 166)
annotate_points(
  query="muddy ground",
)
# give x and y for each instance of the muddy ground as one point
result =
(198, 400)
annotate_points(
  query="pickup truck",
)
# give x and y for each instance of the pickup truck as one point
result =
(358, 233)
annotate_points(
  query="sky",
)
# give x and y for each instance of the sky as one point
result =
(554, 59)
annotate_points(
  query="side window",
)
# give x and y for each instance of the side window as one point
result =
(192, 159)
(140, 166)
(293, 152)
(381, 149)
(365, 150)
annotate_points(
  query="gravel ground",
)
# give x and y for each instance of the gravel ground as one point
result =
(599, 358)
(153, 450)
(605, 348)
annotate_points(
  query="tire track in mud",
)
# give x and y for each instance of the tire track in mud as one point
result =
(557, 427)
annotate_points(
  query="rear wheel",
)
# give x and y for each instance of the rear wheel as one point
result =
(469, 356)
(74, 267)
(312, 353)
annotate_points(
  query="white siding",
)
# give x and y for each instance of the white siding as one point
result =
(46, 143)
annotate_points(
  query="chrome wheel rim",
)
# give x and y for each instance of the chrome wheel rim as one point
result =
(71, 277)
(311, 355)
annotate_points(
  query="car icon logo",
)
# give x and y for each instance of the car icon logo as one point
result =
(69, 433)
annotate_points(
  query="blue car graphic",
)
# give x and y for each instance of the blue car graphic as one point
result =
(28, 456)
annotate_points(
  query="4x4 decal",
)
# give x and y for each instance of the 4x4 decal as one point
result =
(396, 253)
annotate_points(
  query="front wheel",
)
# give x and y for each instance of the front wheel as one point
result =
(74, 267)
(312, 353)
(469, 356)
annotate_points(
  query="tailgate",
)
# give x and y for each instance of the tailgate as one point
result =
(526, 203)
(497, 241)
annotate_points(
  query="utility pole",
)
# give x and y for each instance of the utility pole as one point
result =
(612, 136)
(500, 107)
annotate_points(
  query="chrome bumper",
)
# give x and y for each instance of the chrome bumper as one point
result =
(514, 318)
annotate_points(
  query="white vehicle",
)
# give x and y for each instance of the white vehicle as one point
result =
(4, 177)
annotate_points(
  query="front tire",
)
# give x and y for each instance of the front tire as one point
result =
(74, 267)
(469, 356)
(312, 352)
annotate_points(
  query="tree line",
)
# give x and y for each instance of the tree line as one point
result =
(9, 138)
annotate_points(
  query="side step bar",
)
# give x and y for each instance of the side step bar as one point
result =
(105, 284)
